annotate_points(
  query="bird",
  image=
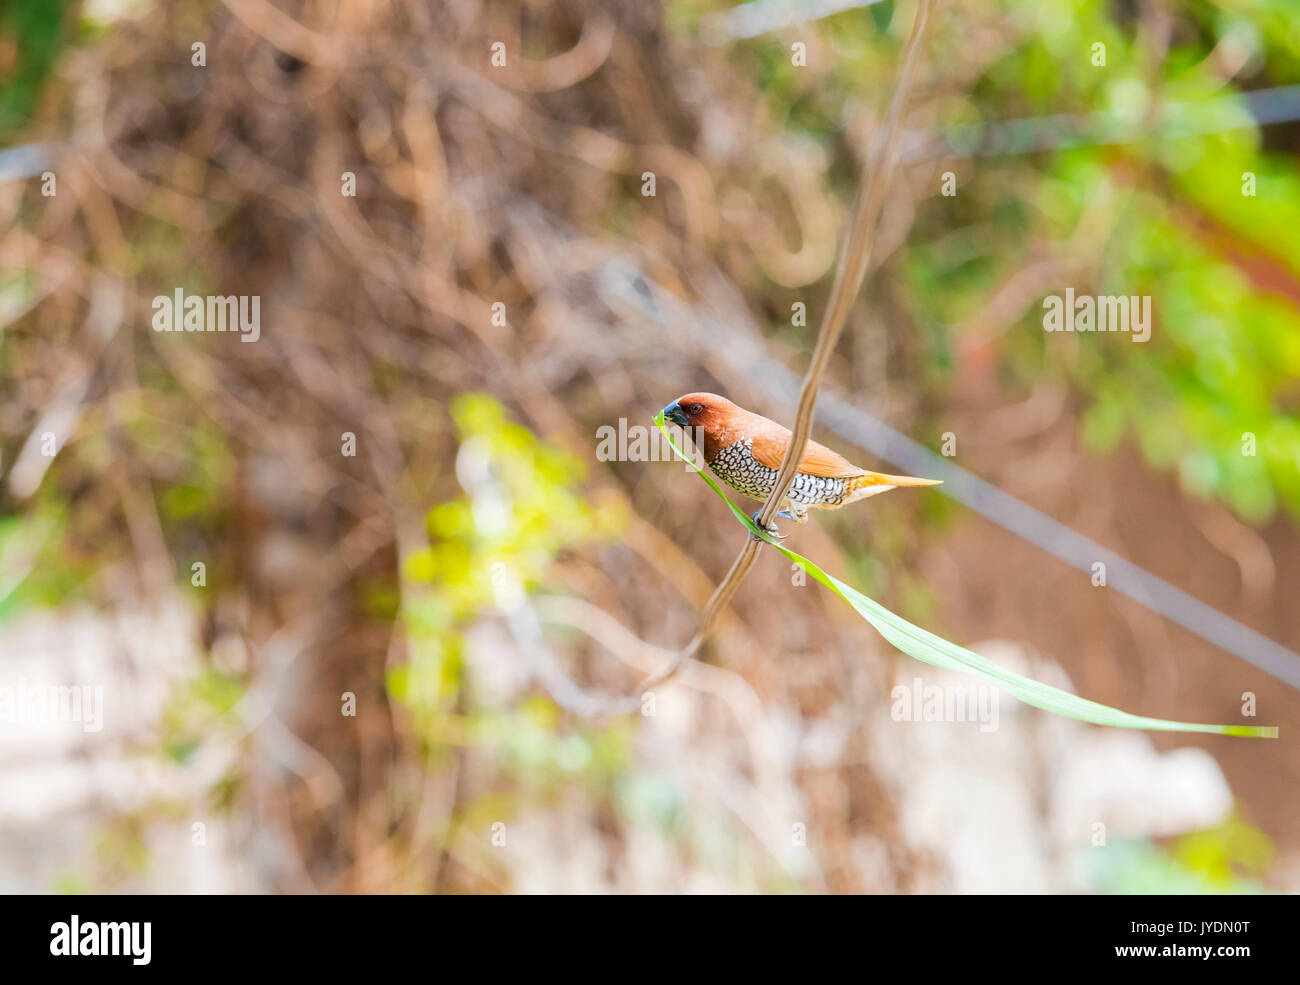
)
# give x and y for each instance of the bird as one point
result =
(745, 450)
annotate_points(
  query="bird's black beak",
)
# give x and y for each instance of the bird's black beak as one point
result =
(673, 412)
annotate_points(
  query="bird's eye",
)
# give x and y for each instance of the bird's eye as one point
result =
(697, 409)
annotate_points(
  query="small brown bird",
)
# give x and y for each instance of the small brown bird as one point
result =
(745, 451)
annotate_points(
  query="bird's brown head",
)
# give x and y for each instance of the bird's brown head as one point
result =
(699, 410)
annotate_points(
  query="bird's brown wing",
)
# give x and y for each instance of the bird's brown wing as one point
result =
(769, 449)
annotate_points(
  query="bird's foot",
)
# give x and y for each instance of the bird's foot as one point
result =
(785, 514)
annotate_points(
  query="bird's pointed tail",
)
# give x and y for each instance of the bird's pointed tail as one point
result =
(872, 483)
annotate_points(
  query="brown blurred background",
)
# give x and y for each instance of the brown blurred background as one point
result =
(420, 582)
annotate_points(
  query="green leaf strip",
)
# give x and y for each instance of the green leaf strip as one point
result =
(928, 648)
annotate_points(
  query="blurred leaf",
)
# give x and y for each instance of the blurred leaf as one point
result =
(882, 14)
(36, 31)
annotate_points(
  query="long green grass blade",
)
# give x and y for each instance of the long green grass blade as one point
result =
(925, 646)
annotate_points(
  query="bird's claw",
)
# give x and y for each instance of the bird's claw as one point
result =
(771, 530)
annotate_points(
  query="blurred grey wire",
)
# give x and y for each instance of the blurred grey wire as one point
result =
(25, 161)
(1238, 111)
(621, 285)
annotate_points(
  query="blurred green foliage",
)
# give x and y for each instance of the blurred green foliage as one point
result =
(526, 506)
(36, 568)
(200, 708)
(1230, 858)
(30, 37)
(1224, 356)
